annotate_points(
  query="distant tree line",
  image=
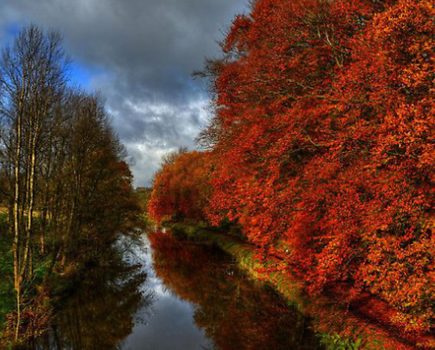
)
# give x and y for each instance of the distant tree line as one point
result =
(62, 174)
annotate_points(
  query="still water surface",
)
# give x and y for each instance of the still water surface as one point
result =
(173, 295)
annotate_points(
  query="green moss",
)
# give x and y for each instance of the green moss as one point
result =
(336, 342)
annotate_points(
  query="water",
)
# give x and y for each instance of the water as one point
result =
(176, 296)
(168, 321)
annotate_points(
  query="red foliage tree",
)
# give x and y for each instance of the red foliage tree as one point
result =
(322, 142)
(181, 187)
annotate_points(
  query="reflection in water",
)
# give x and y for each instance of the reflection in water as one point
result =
(181, 296)
(234, 311)
(101, 312)
(168, 324)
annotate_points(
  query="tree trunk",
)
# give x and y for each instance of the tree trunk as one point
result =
(16, 220)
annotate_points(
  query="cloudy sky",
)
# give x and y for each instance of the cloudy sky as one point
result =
(139, 54)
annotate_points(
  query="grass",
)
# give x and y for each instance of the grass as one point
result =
(7, 300)
(7, 294)
(336, 342)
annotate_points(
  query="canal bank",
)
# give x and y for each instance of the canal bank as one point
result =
(340, 325)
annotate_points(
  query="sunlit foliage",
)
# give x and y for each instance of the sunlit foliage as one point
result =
(181, 188)
(322, 142)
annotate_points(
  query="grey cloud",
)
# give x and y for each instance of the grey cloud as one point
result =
(143, 53)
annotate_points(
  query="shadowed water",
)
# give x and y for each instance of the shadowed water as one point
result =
(174, 295)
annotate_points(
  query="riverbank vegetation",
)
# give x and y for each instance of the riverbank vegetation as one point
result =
(321, 151)
(65, 188)
(338, 323)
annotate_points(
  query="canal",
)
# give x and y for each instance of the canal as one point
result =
(160, 293)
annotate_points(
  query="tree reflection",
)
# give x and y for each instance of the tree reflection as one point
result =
(101, 311)
(234, 311)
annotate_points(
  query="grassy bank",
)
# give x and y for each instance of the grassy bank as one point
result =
(36, 309)
(7, 300)
(337, 325)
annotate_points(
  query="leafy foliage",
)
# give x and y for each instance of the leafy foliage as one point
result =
(181, 188)
(64, 183)
(322, 142)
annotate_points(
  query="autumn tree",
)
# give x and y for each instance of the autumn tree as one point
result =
(61, 166)
(31, 77)
(322, 143)
(181, 188)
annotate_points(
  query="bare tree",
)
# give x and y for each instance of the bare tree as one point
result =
(31, 81)
(60, 163)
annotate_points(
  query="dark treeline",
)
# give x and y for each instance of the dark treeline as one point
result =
(63, 181)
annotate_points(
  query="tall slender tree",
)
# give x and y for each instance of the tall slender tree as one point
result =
(60, 163)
